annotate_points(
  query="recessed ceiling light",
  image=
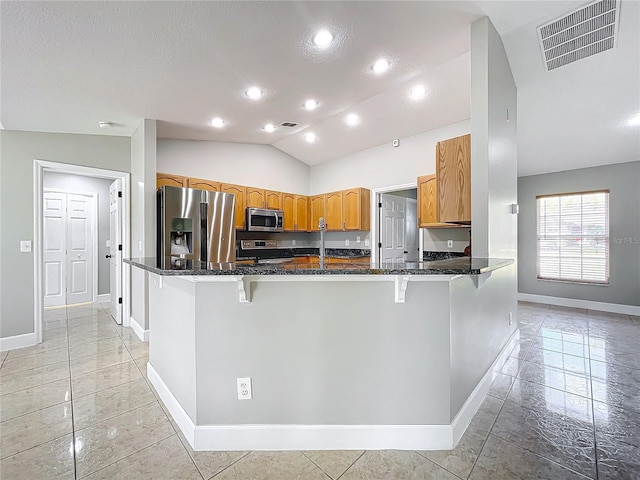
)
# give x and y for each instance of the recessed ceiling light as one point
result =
(418, 92)
(311, 104)
(352, 119)
(310, 137)
(105, 124)
(322, 38)
(634, 121)
(217, 122)
(269, 127)
(381, 65)
(254, 93)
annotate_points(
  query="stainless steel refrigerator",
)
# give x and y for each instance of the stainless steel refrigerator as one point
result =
(195, 226)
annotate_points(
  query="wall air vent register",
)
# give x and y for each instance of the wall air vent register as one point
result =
(584, 32)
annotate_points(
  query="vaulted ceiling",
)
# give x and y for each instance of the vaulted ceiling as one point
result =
(68, 65)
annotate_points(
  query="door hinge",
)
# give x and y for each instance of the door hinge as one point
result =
(119, 194)
(119, 299)
(380, 245)
(120, 247)
(379, 204)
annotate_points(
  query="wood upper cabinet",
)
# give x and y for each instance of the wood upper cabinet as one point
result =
(296, 212)
(203, 184)
(240, 192)
(427, 201)
(261, 198)
(316, 210)
(170, 180)
(333, 211)
(453, 171)
(356, 206)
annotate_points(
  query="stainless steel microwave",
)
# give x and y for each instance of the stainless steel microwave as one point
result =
(264, 220)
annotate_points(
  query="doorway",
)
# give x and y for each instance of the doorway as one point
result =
(70, 235)
(115, 272)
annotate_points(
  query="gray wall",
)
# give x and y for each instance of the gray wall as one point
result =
(623, 181)
(80, 183)
(17, 153)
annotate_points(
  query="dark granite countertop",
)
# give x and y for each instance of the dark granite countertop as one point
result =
(451, 266)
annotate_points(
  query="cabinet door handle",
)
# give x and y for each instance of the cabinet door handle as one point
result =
(344, 225)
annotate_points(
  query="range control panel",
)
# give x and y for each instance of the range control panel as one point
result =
(257, 244)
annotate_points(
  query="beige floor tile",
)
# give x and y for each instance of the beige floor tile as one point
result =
(95, 347)
(35, 398)
(3, 355)
(116, 438)
(105, 404)
(164, 460)
(130, 339)
(387, 464)
(90, 363)
(54, 314)
(54, 333)
(334, 462)
(37, 360)
(139, 351)
(461, 459)
(54, 344)
(273, 466)
(51, 460)
(55, 325)
(104, 378)
(27, 431)
(81, 330)
(209, 463)
(15, 382)
(92, 337)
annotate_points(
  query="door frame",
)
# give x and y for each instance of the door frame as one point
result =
(41, 166)
(94, 235)
(375, 218)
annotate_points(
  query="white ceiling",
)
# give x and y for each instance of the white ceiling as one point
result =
(67, 65)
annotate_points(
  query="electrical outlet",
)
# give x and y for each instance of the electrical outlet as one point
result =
(346, 242)
(244, 388)
(366, 242)
(358, 239)
(449, 243)
(510, 318)
(293, 243)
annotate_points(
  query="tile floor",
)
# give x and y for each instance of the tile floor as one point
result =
(564, 404)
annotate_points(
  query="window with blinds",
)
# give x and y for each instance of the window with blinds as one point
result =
(573, 237)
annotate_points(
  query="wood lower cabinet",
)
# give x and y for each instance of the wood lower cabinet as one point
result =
(356, 260)
(203, 184)
(296, 212)
(239, 191)
(453, 171)
(316, 210)
(170, 180)
(356, 209)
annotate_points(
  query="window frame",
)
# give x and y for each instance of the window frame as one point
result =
(606, 237)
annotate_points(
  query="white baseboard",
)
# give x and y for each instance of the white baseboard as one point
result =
(324, 437)
(578, 303)
(104, 298)
(139, 331)
(18, 341)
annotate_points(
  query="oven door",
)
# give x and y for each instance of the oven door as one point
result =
(262, 220)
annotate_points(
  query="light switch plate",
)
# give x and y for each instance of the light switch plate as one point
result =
(25, 245)
(108, 242)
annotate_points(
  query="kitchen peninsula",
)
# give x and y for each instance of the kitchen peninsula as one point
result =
(350, 356)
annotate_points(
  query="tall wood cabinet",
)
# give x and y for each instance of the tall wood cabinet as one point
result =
(170, 180)
(453, 172)
(203, 184)
(333, 211)
(356, 209)
(239, 191)
(261, 198)
(296, 212)
(316, 210)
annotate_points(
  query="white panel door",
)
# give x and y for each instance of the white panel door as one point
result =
(411, 229)
(115, 252)
(79, 249)
(392, 228)
(54, 247)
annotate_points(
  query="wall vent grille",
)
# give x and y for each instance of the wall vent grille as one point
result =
(289, 124)
(589, 30)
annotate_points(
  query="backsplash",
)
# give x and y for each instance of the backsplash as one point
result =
(435, 239)
(312, 239)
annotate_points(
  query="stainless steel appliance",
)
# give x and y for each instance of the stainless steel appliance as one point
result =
(249, 245)
(264, 220)
(196, 225)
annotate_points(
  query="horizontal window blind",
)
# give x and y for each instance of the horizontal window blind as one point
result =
(573, 237)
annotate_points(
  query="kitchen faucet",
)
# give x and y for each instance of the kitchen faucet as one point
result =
(323, 228)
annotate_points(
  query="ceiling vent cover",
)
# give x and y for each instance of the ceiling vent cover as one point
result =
(582, 33)
(289, 124)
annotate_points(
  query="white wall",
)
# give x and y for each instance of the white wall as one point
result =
(261, 166)
(17, 153)
(81, 183)
(384, 165)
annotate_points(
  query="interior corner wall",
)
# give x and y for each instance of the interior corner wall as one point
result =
(384, 165)
(143, 213)
(18, 150)
(261, 166)
(494, 162)
(622, 181)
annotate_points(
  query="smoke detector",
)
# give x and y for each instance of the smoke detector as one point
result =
(105, 124)
(582, 33)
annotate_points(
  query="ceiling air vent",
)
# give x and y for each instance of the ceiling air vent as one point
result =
(585, 32)
(289, 124)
